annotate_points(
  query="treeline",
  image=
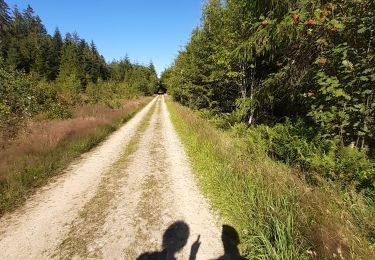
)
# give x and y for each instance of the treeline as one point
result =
(296, 76)
(43, 73)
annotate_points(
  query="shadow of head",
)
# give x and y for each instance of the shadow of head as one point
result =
(175, 237)
(230, 239)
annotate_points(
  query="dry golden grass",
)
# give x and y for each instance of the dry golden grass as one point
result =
(45, 147)
(47, 134)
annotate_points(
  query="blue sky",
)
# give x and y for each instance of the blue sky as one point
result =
(144, 29)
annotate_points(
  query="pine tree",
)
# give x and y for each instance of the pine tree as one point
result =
(54, 55)
(14, 58)
(95, 63)
(152, 78)
(40, 65)
(69, 65)
(5, 24)
(18, 31)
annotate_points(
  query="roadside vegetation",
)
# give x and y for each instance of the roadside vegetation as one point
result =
(277, 213)
(292, 84)
(45, 148)
(300, 74)
(58, 99)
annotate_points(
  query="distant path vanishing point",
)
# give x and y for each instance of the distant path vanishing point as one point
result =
(118, 201)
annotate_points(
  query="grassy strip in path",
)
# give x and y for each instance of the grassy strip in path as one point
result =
(149, 209)
(35, 169)
(92, 216)
(277, 215)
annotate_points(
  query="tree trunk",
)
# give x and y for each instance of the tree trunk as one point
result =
(252, 89)
(243, 81)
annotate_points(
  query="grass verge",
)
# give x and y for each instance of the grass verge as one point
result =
(277, 215)
(34, 168)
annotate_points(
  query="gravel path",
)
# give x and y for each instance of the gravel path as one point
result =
(132, 197)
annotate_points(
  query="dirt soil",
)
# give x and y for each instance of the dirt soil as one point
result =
(134, 196)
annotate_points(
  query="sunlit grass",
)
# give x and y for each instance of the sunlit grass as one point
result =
(277, 214)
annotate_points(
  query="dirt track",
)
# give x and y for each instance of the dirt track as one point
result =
(118, 201)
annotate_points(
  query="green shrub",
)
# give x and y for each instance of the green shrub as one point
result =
(353, 167)
(205, 113)
(59, 111)
(239, 129)
(17, 101)
(113, 103)
(297, 144)
(224, 120)
(256, 139)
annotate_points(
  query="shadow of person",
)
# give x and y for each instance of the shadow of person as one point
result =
(174, 239)
(194, 248)
(231, 240)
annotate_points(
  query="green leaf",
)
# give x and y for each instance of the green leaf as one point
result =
(367, 92)
(363, 78)
(347, 64)
(337, 24)
(362, 30)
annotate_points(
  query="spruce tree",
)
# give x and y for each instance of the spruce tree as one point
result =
(69, 66)
(5, 24)
(54, 55)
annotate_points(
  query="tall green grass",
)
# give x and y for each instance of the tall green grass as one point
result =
(277, 215)
(264, 220)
